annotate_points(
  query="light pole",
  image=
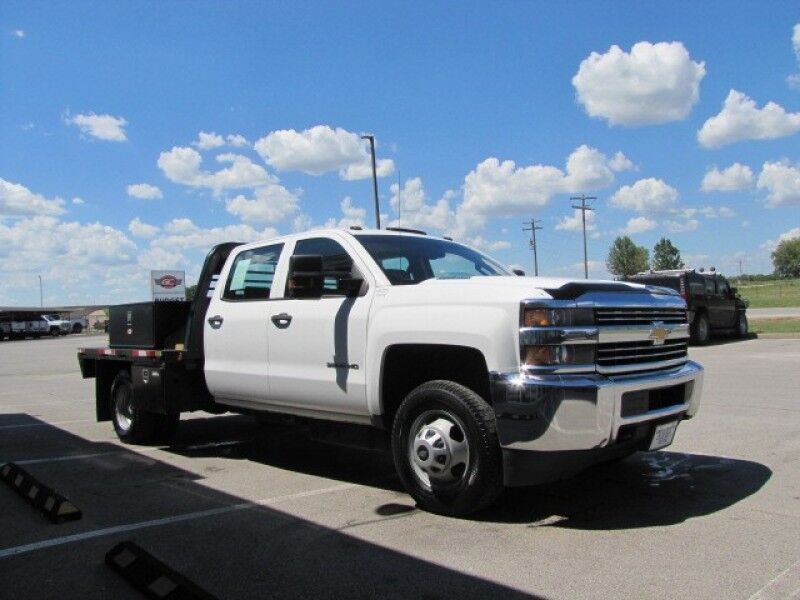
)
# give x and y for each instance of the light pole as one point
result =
(41, 293)
(371, 139)
(583, 208)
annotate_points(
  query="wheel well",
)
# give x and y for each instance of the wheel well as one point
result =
(406, 366)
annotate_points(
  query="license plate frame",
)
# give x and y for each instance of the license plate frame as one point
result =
(663, 435)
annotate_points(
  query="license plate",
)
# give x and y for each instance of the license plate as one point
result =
(663, 435)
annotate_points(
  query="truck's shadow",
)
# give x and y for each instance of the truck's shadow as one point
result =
(254, 551)
(646, 490)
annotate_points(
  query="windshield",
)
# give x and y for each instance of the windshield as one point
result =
(408, 260)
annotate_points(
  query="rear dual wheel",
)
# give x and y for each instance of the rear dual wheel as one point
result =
(446, 450)
(134, 425)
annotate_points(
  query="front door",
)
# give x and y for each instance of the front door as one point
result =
(237, 327)
(317, 346)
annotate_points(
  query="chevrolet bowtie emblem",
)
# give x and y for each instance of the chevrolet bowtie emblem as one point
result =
(659, 333)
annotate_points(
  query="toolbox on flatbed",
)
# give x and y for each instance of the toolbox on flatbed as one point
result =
(147, 325)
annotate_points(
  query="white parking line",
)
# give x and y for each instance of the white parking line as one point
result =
(87, 535)
(36, 461)
(785, 585)
(46, 424)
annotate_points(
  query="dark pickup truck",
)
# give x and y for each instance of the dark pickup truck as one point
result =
(714, 306)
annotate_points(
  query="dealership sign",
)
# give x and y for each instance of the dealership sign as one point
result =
(168, 285)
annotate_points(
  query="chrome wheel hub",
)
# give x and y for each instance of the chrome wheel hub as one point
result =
(438, 449)
(123, 409)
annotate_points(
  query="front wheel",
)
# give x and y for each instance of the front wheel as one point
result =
(446, 450)
(742, 329)
(77, 328)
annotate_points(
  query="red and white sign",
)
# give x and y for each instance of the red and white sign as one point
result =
(168, 285)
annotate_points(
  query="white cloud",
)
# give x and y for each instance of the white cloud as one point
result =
(236, 140)
(639, 225)
(270, 203)
(78, 201)
(184, 234)
(682, 226)
(620, 162)
(157, 257)
(102, 127)
(18, 33)
(480, 243)
(794, 79)
(792, 234)
(208, 140)
(411, 205)
(41, 242)
(182, 165)
(142, 230)
(363, 170)
(646, 196)
(501, 188)
(302, 222)
(740, 119)
(319, 150)
(352, 216)
(145, 191)
(781, 180)
(654, 83)
(575, 222)
(734, 178)
(18, 201)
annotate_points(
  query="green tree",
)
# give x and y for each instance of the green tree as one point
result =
(191, 290)
(626, 258)
(666, 256)
(786, 258)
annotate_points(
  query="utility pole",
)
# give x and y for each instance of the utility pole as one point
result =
(371, 139)
(534, 227)
(41, 293)
(583, 208)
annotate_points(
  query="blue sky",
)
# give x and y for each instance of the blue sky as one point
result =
(682, 118)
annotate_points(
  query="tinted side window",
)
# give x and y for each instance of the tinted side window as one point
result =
(710, 290)
(336, 262)
(252, 273)
(722, 287)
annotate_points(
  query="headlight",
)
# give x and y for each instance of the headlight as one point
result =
(568, 354)
(557, 317)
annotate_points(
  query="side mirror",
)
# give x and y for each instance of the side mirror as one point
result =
(518, 272)
(733, 291)
(306, 277)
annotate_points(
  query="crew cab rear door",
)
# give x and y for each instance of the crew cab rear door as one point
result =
(317, 346)
(235, 335)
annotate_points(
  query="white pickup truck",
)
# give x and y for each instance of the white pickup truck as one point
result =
(477, 378)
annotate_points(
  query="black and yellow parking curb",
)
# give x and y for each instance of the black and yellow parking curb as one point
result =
(54, 506)
(150, 576)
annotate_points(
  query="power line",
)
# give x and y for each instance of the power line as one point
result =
(534, 227)
(583, 208)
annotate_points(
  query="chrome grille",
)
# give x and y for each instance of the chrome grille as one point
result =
(622, 354)
(638, 316)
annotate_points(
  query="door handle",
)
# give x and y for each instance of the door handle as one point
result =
(282, 321)
(215, 321)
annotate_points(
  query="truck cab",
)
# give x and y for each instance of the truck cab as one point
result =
(476, 378)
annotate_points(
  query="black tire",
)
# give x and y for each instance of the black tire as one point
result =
(481, 480)
(742, 327)
(701, 330)
(133, 425)
(54, 331)
(77, 328)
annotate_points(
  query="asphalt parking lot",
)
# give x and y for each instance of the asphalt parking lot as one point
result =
(252, 511)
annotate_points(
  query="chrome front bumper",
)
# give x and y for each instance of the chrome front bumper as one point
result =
(580, 415)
